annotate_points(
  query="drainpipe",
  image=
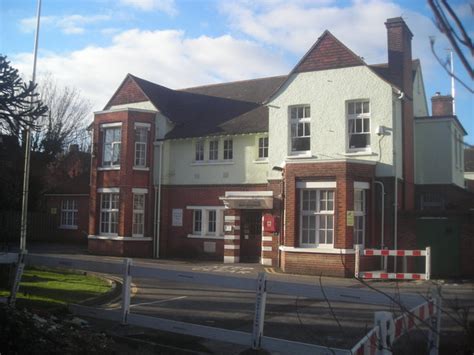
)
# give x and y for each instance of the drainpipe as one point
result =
(401, 95)
(382, 223)
(157, 224)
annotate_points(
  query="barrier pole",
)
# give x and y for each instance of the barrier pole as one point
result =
(436, 324)
(357, 261)
(20, 266)
(259, 317)
(127, 283)
(428, 263)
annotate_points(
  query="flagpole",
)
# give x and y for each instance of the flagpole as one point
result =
(26, 173)
(452, 81)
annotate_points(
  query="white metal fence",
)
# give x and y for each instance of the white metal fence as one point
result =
(261, 286)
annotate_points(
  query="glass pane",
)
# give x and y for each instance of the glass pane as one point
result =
(293, 112)
(117, 134)
(306, 129)
(300, 112)
(300, 130)
(330, 222)
(366, 125)
(350, 108)
(366, 107)
(312, 202)
(322, 222)
(305, 200)
(329, 235)
(307, 112)
(358, 107)
(358, 128)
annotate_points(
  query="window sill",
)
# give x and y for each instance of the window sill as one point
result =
(359, 153)
(118, 238)
(261, 161)
(105, 168)
(67, 227)
(217, 162)
(140, 168)
(316, 250)
(199, 236)
(299, 155)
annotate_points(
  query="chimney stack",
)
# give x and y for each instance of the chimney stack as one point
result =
(442, 105)
(399, 54)
(400, 70)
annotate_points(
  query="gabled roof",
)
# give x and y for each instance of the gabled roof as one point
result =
(327, 53)
(230, 108)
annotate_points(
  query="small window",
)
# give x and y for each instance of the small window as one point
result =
(358, 118)
(138, 223)
(197, 221)
(199, 156)
(111, 148)
(300, 121)
(109, 213)
(141, 138)
(359, 217)
(69, 214)
(228, 149)
(212, 221)
(263, 147)
(214, 149)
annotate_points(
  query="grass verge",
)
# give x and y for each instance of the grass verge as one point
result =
(54, 288)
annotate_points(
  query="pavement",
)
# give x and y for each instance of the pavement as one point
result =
(335, 324)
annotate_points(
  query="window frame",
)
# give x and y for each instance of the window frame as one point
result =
(213, 150)
(69, 211)
(138, 212)
(297, 121)
(358, 117)
(360, 214)
(318, 214)
(228, 149)
(109, 210)
(112, 144)
(262, 148)
(143, 144)
(202, 217)
(199, 150)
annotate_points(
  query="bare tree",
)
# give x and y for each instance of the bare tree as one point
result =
(65, 122)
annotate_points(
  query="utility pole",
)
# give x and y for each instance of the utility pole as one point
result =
(26, 173)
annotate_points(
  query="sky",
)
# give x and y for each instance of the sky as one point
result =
(92, 44)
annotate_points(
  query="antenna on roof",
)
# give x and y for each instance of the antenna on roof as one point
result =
(450, 61)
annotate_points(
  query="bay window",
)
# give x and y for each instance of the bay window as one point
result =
(111, 146)
(138, 222)
(109, 213)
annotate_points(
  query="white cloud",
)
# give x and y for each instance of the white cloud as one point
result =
(72, 24)
(296, 25)
(166, 57)
(166, 6)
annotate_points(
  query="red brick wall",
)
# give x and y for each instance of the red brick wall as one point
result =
(174, 241)
(78, 235)
(126, 178)
(128, 92)
(142, 249)
(345, 174)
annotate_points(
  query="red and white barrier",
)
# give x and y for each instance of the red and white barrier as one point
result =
(387, 329)
(383, 275)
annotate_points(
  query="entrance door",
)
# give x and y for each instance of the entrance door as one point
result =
(250, 236)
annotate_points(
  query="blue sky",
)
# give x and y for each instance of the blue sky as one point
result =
(93, 44)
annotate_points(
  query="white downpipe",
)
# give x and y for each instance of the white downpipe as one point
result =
(382, 219)
(158, 204)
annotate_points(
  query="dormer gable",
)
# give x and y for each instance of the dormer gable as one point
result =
(327, 53)
(128, 92)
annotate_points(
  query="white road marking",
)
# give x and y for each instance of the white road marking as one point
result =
(225, 269)
(160, 301)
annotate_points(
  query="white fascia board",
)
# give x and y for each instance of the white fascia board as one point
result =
(110, 125)
(108, 190)
(316, 185)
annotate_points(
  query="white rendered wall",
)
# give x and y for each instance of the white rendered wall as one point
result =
(181, 169)
(434, 152)
(327, 92)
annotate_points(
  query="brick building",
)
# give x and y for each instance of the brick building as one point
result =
(287, 171)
